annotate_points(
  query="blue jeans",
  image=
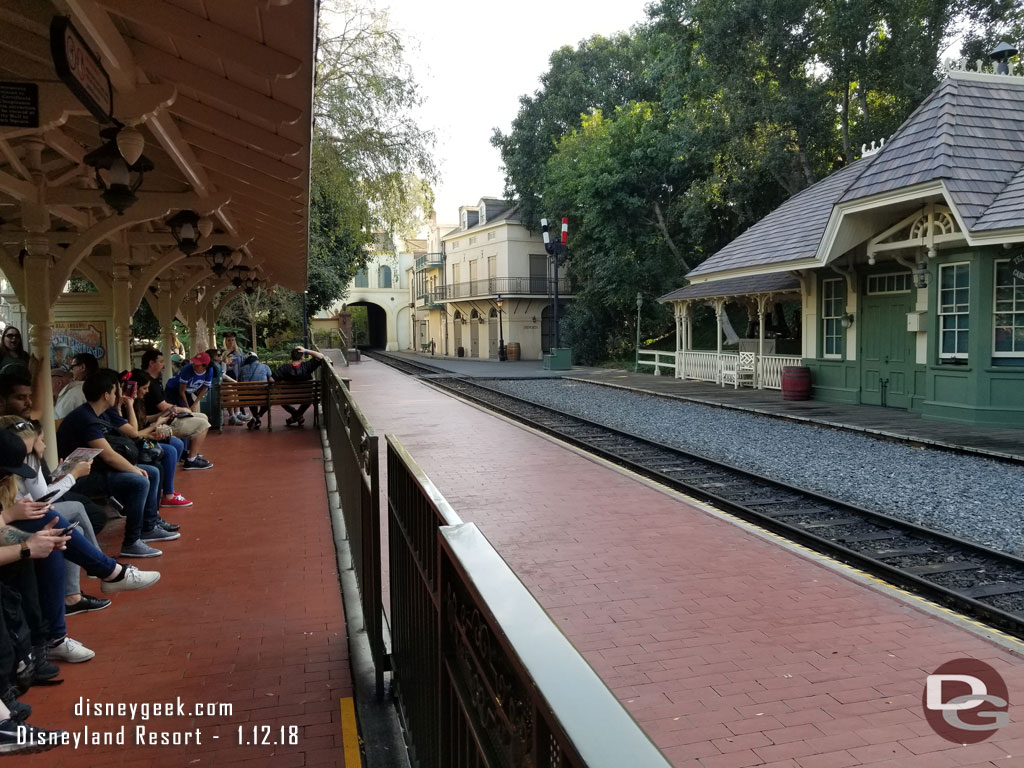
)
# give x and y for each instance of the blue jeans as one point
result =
(173, 449)
(139, 495)
(50, 570)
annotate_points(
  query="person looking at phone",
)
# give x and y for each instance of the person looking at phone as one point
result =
(192, 382)
(157, 429)
(83, 365)
(299, 369)
(137, 487)
(22, 517)
(155, 402)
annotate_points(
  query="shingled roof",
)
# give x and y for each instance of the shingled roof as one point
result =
(792, 232)
(967, 135)
(780, 282)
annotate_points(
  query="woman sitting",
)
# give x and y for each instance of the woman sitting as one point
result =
(39, 487)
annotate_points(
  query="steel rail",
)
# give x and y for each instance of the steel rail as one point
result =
(741, 492)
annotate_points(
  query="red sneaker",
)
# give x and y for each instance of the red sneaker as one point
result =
(177, 500)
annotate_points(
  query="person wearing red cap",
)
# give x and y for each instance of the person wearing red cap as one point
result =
(186, 390)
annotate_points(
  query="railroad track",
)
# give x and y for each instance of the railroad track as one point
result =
(967, 577)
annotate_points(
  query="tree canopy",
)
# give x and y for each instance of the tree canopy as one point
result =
(663, 144)
(371, 165)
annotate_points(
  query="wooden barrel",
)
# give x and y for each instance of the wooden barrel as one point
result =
(512, 350)
(796, 382)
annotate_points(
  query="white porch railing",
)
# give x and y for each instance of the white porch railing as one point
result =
(659, 360)
(769, 370)
(707, 366)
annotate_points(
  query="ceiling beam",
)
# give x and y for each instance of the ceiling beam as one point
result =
(196, 31)
(197, 137)
(239, 130)
(289, 190)
(213, 84)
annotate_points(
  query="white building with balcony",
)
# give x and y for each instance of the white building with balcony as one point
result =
(492, 256)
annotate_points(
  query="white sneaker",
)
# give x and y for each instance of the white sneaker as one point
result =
(133, 579)
(69, 650)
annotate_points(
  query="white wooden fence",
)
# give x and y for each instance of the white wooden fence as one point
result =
(659, 360)
(707, 366)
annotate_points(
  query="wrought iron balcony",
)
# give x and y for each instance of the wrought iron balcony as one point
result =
(506, 286)
(428, 261)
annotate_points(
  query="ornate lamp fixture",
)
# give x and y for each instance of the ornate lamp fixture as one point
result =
(184, 226)
(123, 174)
(219, 258)
(237, 280)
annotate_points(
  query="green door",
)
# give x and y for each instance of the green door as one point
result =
(886, 351)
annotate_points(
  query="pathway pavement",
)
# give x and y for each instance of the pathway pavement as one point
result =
(248, 614)
(729, 649)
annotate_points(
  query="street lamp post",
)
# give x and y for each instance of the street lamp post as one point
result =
(502, 356)
(639, 305)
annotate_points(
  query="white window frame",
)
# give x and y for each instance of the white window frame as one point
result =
(875, 279)
(833, 322)
(953, 310)
(1016, 309)
(491, 235)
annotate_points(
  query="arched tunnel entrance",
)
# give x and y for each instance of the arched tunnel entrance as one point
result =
(370, 325)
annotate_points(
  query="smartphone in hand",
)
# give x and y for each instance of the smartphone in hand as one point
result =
(67, 531)
(49, 496)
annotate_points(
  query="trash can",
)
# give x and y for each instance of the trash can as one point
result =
(512, 350)
(796, 382)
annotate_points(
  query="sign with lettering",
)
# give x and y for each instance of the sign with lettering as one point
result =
(1017, 267)
(80, 69)
(71, 338)
(19, 105)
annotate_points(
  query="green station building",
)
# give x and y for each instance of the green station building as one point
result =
(908, 265)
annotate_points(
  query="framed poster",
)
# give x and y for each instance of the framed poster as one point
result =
(72, 337)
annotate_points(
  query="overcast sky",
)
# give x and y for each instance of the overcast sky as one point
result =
(474, 60)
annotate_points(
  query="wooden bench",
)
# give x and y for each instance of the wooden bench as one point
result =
(249, 394)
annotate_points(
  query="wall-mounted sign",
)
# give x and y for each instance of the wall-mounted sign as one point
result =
(80, 69)
(19, 105)
(1017, 267)
(72, 337)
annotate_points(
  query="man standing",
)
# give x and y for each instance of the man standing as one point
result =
(188, 426)
(295, 371)
(82, 366)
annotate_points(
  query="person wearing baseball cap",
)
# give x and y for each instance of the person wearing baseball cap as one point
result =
(186, 390)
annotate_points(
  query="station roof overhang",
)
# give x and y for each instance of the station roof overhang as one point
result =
(221, 91)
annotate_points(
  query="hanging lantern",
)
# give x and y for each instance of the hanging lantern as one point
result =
(184, 226)
(219, 259)
(116, 176)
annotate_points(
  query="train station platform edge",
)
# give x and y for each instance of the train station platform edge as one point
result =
(729, 650)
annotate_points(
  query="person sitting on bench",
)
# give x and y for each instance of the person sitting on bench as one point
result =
(298, 370)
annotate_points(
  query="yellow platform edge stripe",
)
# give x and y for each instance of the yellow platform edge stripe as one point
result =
(350, 734)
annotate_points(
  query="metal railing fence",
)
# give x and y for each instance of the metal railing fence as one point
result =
(483, 676)
(355, 458)
(506, 286)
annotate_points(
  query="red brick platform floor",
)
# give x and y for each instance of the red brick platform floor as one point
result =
(730, 650)
(247, 613)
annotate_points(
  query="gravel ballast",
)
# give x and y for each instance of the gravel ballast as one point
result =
(966, 496)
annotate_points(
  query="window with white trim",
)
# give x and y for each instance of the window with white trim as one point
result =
(1008, 320)
(491, 235)
(894, 282)
(954, 310)
(833, 298)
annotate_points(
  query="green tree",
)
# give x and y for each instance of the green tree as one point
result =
(371, 164)
(599, 74)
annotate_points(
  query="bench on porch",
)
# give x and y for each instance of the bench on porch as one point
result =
(249, 394)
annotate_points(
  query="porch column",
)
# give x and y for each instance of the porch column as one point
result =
(122, 311)
(719, 311)
(39, 313)
(762, 305)
(165, 314)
